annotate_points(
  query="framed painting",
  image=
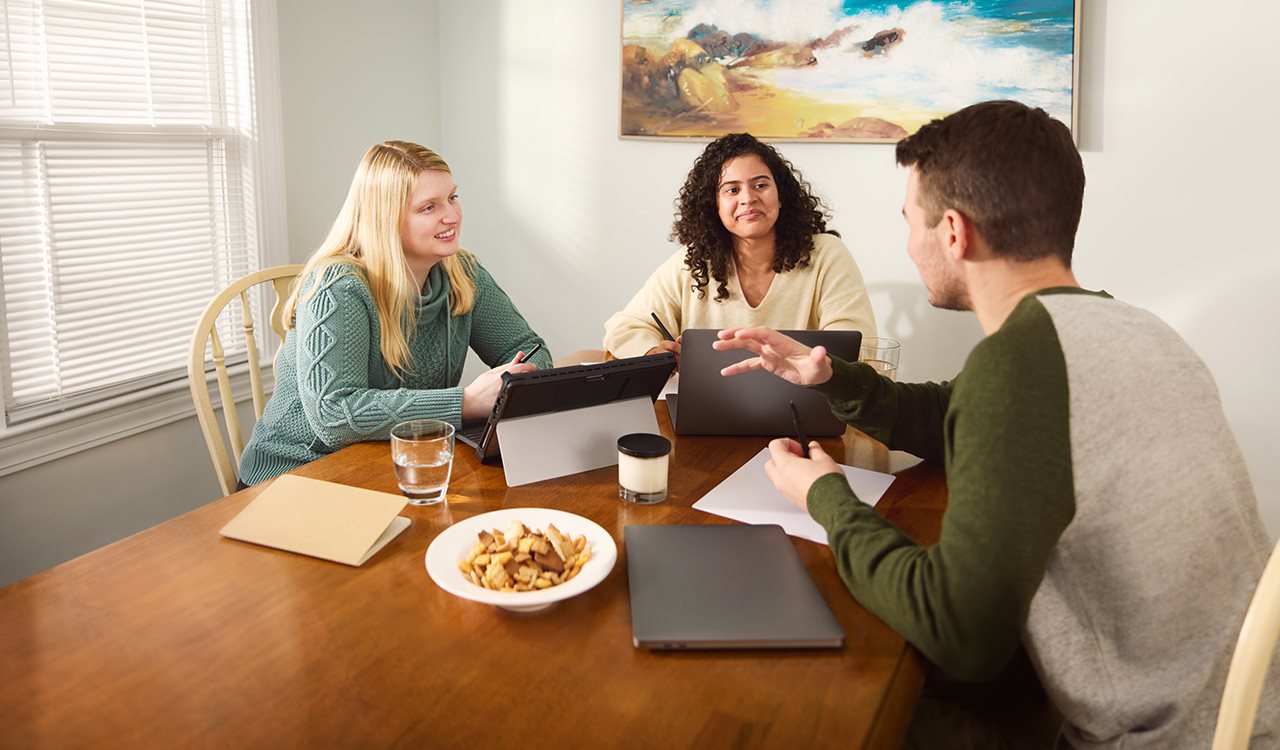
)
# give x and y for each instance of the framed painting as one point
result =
(839, 70)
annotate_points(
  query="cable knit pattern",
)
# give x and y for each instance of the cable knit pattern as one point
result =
(333, 387)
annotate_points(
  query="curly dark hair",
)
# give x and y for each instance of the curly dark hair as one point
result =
(709, 246)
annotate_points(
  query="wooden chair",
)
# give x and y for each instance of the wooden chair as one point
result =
(206, 334)
(1251, 661)
(581, 356)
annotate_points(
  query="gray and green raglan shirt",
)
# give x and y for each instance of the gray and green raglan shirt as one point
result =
(1099, 513)
(333, 387)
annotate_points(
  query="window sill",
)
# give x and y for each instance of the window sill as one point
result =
(57, 436)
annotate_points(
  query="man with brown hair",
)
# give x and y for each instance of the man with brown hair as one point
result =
(1100, 517)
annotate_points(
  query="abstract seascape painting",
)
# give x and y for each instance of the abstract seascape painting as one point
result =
(839, 70)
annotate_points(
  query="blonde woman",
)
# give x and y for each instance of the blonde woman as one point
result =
(381, 320)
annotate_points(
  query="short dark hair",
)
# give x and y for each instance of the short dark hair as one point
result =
(709, 246)
(1013, 170)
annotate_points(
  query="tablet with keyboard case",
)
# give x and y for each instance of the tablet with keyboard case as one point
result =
(566, 388)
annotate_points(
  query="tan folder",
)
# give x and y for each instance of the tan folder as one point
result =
(321, 519)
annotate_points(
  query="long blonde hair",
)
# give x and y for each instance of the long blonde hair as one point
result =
(366, 236)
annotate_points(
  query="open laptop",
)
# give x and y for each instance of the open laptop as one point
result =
(564, 389)
(753, 403)
(718, 587)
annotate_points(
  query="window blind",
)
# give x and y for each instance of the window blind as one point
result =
(126, 190)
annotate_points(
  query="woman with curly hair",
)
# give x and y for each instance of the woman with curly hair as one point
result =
(757, 253)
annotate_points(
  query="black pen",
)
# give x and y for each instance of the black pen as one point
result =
(804, 441)
(521, 359)
(665, 333)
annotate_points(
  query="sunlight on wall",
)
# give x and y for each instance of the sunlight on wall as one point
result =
(1243, 367)
(548, 180)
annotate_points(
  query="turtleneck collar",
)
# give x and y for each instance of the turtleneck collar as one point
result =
(435, 294)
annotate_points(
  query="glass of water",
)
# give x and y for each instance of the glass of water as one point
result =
(882, 355)
(422, 452)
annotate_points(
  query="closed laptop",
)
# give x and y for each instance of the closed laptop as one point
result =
(723, 587)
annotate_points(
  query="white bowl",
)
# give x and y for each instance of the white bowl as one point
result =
(453, 544)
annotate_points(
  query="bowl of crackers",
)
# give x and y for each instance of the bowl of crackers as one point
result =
(521, 559)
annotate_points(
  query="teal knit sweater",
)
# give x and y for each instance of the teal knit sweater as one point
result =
(333, 387)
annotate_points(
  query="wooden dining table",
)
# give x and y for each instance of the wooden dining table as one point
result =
(179, 637)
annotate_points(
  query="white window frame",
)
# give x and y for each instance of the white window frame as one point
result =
(55, 436)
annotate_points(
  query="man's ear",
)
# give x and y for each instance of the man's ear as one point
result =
(958, 235)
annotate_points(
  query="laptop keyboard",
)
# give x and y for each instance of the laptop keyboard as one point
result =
(472, 433)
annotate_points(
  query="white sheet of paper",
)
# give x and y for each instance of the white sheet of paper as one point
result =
(747, 495)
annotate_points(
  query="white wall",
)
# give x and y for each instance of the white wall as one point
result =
(1177, 149)
(352, 74)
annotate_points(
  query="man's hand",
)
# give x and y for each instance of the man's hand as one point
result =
(793, 474)
(783, 356)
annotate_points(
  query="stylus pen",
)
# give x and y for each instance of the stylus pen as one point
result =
(665, 333)
(533, 351)
(804, 441)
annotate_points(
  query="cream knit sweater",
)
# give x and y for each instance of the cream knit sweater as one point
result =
(827, 294)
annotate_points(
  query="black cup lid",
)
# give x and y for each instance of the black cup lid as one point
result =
(644, 445)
